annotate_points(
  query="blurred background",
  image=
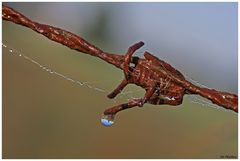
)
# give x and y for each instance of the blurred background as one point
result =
(46, 116)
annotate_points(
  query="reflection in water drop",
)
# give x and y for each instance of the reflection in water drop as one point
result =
(107, 120)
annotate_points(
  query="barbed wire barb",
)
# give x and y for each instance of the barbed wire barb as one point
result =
(150, 72)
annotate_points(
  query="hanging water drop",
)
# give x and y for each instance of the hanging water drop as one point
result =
(107, 120)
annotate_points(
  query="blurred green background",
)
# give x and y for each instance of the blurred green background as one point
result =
(45, 116)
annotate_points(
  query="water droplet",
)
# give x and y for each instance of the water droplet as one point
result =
(79, 83)
(107, 120)
(20, 54)
(10, 50)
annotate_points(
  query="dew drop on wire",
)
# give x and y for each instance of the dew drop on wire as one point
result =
(107, 120)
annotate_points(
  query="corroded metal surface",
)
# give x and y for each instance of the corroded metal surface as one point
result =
(162, 82)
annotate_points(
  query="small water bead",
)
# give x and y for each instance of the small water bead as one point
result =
(107, 120)
(50, 71)
(79, 83)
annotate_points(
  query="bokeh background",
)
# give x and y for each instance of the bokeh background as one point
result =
(45, 116)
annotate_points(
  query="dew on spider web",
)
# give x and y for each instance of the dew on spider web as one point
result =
(199, 100)
(205, 103)
(47, 69)
(91, 85)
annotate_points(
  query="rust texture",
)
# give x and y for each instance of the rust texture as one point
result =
(162, 82)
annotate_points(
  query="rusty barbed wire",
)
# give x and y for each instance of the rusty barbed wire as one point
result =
(162, 82)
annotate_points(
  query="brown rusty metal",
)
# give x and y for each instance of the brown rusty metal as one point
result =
(162, 82)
